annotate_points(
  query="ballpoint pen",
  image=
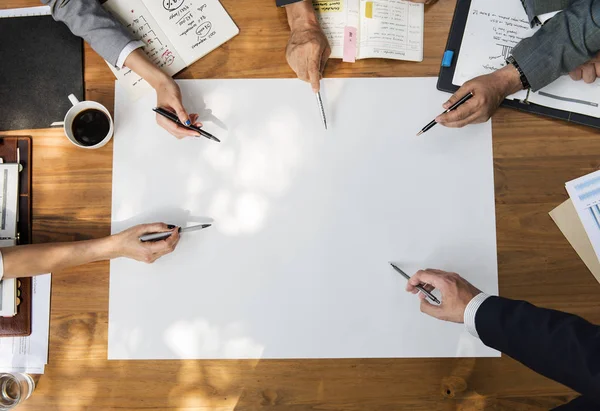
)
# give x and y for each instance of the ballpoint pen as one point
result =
(418, 287)
(452, 107)
(167, 234)
(173, 117)
(321, 108)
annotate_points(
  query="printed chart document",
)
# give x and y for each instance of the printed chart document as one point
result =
(176, 33)
(585, 194)
(493, 29)
(30, 354)
(360, 29)
(304, 222)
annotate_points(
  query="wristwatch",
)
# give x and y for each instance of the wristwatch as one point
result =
(524, 81)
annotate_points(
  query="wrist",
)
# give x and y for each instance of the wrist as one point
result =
(108, 248)
(510, 78)
(301, 14)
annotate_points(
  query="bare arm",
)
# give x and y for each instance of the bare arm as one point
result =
(34, 259)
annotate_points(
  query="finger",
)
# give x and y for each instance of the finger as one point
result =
(153, 228)
(314, 74)
(180, 111)
(194, 119)
(430, 309)
(453, 99)
(576, 74)
(597, 68)
(458, 114)
(423, 276)
(589, 73)
(161, 247)
(174, 129)
(324, 59)
(472, 119)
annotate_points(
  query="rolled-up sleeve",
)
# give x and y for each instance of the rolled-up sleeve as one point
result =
(568, 40)
(89, 20)
(285, 2)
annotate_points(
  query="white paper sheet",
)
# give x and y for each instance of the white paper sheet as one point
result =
(305, 222)
(31, 353)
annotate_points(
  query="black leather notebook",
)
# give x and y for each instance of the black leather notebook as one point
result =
(41, 63)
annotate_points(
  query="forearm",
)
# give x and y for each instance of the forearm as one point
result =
(34, 259)
(560, 346)
(139, 63)
(89, 20)
(568, 40)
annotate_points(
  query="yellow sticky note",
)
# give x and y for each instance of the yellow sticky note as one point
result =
(327, 6)
(369, 9)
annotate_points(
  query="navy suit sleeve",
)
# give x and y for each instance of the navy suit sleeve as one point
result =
(285, 2)
(560, 346)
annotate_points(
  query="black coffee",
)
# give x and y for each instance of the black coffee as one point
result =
(90, 127)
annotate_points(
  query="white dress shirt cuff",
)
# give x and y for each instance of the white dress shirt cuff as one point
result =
(1, 266)
(471, 311)
(127, 50)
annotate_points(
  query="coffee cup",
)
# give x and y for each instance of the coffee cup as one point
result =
(87, 124)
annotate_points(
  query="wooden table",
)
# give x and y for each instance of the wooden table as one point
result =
(533, 157)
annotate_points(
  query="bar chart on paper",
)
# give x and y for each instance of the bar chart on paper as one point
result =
(585, 194)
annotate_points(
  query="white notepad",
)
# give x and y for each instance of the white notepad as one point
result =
(391, 29)
(176, 33)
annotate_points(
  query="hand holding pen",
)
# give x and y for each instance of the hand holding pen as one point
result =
(453, 107)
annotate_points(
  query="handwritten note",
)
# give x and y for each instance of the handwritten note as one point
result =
(334, 17)
(491, 32)
(138, 20)
(196, 27)
(325, 6)
(391, 29)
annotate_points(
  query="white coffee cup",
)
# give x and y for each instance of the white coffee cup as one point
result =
(78, 107)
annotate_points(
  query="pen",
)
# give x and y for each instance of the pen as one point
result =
(167, 234)
(173, 117)
(321, 108)
(418, 287)
(452, 107)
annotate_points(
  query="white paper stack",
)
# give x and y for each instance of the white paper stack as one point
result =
(30, 354)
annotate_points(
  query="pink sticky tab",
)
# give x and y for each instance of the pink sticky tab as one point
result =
(349, 44)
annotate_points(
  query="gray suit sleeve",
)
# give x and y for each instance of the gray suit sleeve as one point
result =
(568, 40)
(89, 20)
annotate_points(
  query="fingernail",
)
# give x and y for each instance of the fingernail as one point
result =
(188, 122)
(437, 119)
(170, 226)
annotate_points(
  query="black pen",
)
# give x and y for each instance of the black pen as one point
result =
(418, 287)
(452, 107)
(173, 117)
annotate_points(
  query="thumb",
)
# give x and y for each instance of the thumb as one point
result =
(433, 310)
(181, 113)
(453, 99)
(154, 228)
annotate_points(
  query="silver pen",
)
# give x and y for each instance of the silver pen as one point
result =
(321, 108)
(167, 234)
(418, 287)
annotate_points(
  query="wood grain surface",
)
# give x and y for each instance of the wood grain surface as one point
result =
(533, 157)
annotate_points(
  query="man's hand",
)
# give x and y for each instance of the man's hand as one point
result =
(589, 71)
(127, 243)
(308, 49)
(488, 92)
(456, 293)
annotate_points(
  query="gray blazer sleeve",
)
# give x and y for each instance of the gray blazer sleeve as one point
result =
(89, 20)
(568, 40)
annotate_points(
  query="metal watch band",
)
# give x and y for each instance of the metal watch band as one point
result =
(524, 81)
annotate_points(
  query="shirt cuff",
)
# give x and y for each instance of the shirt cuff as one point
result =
(471, 311)
(1, 266)
(281, 3)
(127, 50)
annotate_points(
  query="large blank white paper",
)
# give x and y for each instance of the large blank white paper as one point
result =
(305, 222)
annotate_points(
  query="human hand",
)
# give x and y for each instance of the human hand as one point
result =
(589, 71)
(488, 92)
(127, 243)
(307, 49)
(456, 293)
(168, 96)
